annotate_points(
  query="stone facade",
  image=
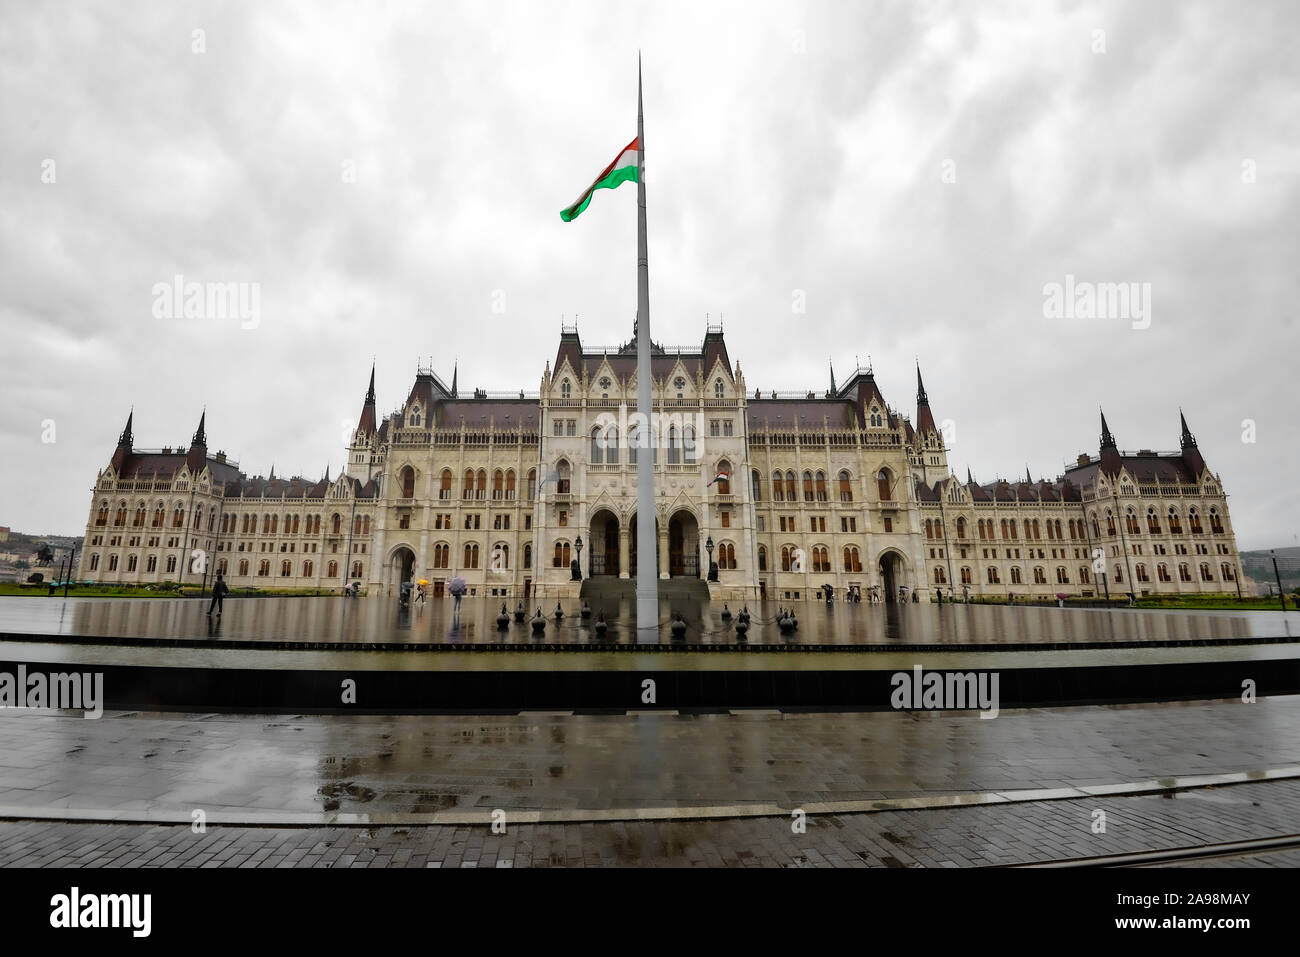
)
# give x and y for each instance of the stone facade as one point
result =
(794, 492)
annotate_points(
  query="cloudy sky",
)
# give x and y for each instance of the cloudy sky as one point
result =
(390, 176)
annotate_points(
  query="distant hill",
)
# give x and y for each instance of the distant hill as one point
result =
(1259, 566)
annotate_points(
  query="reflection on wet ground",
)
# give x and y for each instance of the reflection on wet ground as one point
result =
(413, 763)
(382, 621)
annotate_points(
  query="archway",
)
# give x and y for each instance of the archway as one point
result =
(602, 544)
(683, 546)
(891, 574)
(401, 564)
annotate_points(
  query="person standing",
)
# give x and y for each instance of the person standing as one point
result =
(219, 590)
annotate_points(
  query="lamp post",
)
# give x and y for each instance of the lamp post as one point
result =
(708, 547)
(577, 565)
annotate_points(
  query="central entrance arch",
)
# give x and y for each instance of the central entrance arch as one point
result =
(401, 564)
(602, 536)
(683, 546)
(891, 574)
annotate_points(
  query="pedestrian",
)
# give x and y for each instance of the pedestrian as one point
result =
(219, 589)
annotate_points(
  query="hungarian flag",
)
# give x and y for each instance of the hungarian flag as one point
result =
(720, 477)
(622, 170)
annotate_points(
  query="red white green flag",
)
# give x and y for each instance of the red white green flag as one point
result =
(622, 170)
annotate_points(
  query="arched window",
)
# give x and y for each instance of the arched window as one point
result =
(611, 445)
(688, 444)
(480, 489)
(756, 485)
(441, 555)
(883, 484)
(471, 555)
(500, 557)
(762, 558)
(1084, 575)
(532, 484)
(597, 455)
(846, 486)
(408, 482)
(778, 495)
(807, 486)
(562, 472)
(852, 563)
(528, 554)
(444, 486)
(674, 447)
(467, 484)
(724, 484)
(357, 571)
(336, 524)
(787, 553)
(498, 484)
(561, 558)
(961, 527)
(820, 482)
(717, 389)
(789, 488)
(1206, 574)
(939, 577)
(566, 390)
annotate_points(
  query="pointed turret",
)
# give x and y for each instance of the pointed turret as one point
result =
(1110, 460)
(1107, 440)
(832, 366)
(124, 443)
(366, 424)
(924, 418)
(1029, 479)
(455, 372)
(1191, 454)
(197, 456)
(969, 480)
(127, 438)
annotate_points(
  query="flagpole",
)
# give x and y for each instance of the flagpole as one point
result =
(647, 570)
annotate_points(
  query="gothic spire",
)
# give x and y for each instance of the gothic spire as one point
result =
(832, 365)
(370, 393)
(920, 388)
(455, 371)
(1107, 440)
(127, 438)
(201, 437)
(1189, 440)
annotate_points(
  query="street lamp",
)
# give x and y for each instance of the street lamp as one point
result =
(708, 547)
(577, 565)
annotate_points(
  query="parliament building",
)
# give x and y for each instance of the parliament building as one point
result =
(785, 493)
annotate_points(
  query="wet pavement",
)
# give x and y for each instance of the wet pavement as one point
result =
(1035, 832)
(381, 621)
(256, 765)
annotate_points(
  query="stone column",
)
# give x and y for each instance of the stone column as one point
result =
(663, 552)
(624, 552)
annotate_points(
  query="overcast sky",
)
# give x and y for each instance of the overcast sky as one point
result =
(914, 173)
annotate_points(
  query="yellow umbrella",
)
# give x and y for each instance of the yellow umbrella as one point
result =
(423, 581)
